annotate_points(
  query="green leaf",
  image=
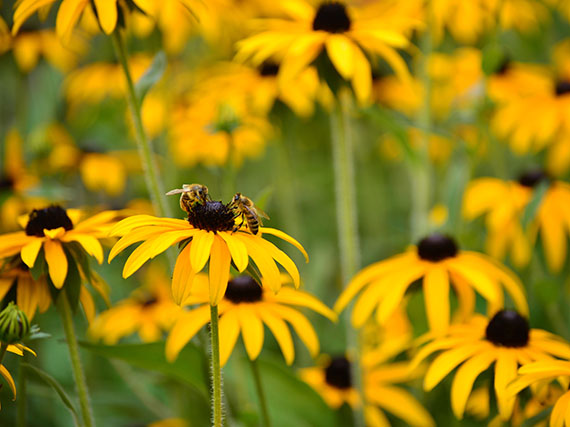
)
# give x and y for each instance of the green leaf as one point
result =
(72, 285)
(52, 382)
(291, 401)
(152, 75)
(532, 207)
(188, 368)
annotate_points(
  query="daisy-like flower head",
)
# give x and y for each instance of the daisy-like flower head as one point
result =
(506, 340)
(536, 375)
(51, 234)
(210, 232)
(333, 381)
(245, 308)
(149, 310)
(440, 263)
(503, 204)
(345, 32)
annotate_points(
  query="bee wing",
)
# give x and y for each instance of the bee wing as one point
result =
(176, 191)
(261, 213)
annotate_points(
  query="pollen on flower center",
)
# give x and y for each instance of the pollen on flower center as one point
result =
(48, 218)
(337, 374)
(437, 247)
(332, 17)
(243, 289)
(269, 69)
(562, 88)
(211, 216)
(507, 328)
(532, 178)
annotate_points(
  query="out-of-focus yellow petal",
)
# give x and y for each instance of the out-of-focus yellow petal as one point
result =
(446, 362)
(4, 372)
(187, 325)
(87, 303)
(281, 333)
(436, 294)
(67, 17)
(229, 332)
(251, 329)
(287, 295)
(340, 51)
(402, 404)
(464, 379)
(505, 373)
(25, 9)
(301, 325)
(56, 261)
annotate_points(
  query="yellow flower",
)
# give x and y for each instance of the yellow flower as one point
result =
(209, 231)
(505, 339)
(30, 294)
(503, 203)
(149, 310)
(53, 229)
(103, 171)
(245, 308)
(440, 263)
(19, 350)
(333, 381)
(535, 374)
(533, 108)
(344, 32)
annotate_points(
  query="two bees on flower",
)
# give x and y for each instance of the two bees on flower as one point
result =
(240, 205)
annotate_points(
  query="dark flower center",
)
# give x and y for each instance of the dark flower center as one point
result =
(503, 67)
(243, 289)
(437, 247)
(6, 183)
(148, 301)
(562, 88)
(49, 218)
(532, 178)
(507, 328)
(337, 374)
(332, 17)
(269, 69)
(211, 216)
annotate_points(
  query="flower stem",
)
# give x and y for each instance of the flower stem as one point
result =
(347, 220)
(78, 374)
(22, 394)
(265, 420)
(216, 370)
(3, 350)
(153, 182)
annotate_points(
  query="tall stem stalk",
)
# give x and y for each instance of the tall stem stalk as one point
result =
(78, 374)
(216, 370)
(347, 219)
(153, 182)
(265, 420)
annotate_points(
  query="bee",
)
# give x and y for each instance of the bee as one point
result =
(190, 194)
(249, 213)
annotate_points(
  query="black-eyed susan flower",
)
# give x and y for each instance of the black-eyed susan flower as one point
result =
(31, 294)
(442, 265)
(47, 234)
(210, 233)
(245, 308)
(506, 340)
(333, 381)
(536, 375)
(149, 310)
(343, 31)
(503, 204)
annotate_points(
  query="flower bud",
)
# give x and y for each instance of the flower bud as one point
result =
(14, 324)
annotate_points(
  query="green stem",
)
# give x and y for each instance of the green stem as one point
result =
(420, 170)
(22, 394)
(265, 420)
(347, 220)
(78, 374)
(216, 370)
(153, 182)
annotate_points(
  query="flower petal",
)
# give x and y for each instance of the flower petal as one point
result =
(200, 249)
(286, 237)
(290, 296)
(187, 325)
(340, 51)
(89, 243)
(464, 379)
(107, 14)
(56, 261)
(29, 252)
(219, 272)
(182, 277)
(402, 404)
(237, 250)
(229, 331)
(436, 294)
(4, 372)
(251, 329)
(281, 333)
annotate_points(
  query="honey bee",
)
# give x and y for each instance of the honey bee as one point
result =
(249, 213)
(190, 194)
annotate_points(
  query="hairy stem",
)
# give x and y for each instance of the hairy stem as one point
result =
(216, 370)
